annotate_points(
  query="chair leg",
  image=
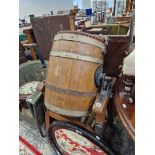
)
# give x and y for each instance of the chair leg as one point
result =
(47, 119)
(37, 121)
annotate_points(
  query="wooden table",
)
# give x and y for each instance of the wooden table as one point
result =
(126, 115)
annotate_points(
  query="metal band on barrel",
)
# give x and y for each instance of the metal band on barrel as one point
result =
(65, 112)
(80, 38)
(70, 92)
(76, 56)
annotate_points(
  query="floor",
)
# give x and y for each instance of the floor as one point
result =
(28, 131)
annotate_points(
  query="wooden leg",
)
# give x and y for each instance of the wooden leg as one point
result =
(47, 119)
(59, 117)
(36, 120)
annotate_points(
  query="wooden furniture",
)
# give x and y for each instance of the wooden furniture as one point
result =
(70, 89)
(96, 115)
(45, 28)
(121, 19)
(125, 110)
(118, 44)
(36, 107)
(28, 72)
(31, 39)
(95, 120)
(52, 116)
(122, 130)
(31, 71)
(101, 103)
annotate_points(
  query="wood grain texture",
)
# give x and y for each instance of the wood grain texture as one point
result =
(115, 55)
(55, 116)
(71, 74)
(45, 28)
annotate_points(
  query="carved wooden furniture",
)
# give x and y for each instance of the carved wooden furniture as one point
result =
(117, 45)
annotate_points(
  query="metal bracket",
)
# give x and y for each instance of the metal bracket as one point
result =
(99, 130)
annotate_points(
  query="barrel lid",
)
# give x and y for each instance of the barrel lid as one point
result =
(97, 37)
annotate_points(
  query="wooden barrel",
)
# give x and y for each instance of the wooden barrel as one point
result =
(74, 58)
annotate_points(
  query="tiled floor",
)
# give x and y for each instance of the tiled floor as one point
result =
(28, 131)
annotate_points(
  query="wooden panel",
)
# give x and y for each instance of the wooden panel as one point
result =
(115, 55)
(51, 114)
(117, 45)
(45, 29)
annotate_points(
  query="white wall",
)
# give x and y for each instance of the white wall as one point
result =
(40, 7)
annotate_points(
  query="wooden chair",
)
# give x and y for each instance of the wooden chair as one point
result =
(28, 72)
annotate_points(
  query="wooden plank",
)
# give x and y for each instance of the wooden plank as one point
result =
(45, 29)
(65, 118)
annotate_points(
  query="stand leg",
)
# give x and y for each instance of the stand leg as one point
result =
(37, 121)
(47, 119)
